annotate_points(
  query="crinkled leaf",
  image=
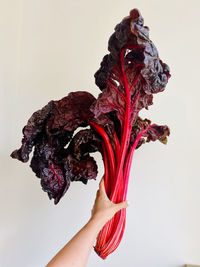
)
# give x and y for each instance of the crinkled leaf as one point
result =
(70, 112)
(50, 169)
(157, 132)
(50, 129)
(79, 164)
(34, 127)
(153, 132)
(133, 62)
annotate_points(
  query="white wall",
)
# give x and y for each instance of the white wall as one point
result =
(49, 48)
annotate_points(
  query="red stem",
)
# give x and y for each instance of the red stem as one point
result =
(106, 183)
(106, 169)
(117, 146)
(105, 232)
(109, 148)
(118, 228)
(112, 232)
(125, 132)
(124, 145)
(130, 156)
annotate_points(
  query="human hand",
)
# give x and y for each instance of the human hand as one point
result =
(103, 208)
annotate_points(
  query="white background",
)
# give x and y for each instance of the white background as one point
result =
(49, 48)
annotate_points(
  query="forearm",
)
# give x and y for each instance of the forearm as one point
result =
(76, 252)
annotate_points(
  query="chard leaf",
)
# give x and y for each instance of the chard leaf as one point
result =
(50, 129)
(133, 64)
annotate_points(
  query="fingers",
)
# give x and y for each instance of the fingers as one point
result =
(102, 186)
(102, 180)
(98, 192)
(122, 205)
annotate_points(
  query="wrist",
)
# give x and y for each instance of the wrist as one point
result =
(98, 221)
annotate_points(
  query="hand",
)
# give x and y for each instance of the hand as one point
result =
(103, 208)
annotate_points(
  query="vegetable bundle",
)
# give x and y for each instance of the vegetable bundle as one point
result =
(128, 77)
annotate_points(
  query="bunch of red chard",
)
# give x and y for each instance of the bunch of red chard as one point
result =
(128, 77)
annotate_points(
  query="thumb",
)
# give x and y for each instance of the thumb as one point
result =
(122, 205)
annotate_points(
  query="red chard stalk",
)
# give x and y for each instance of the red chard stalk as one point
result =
(128, 77)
